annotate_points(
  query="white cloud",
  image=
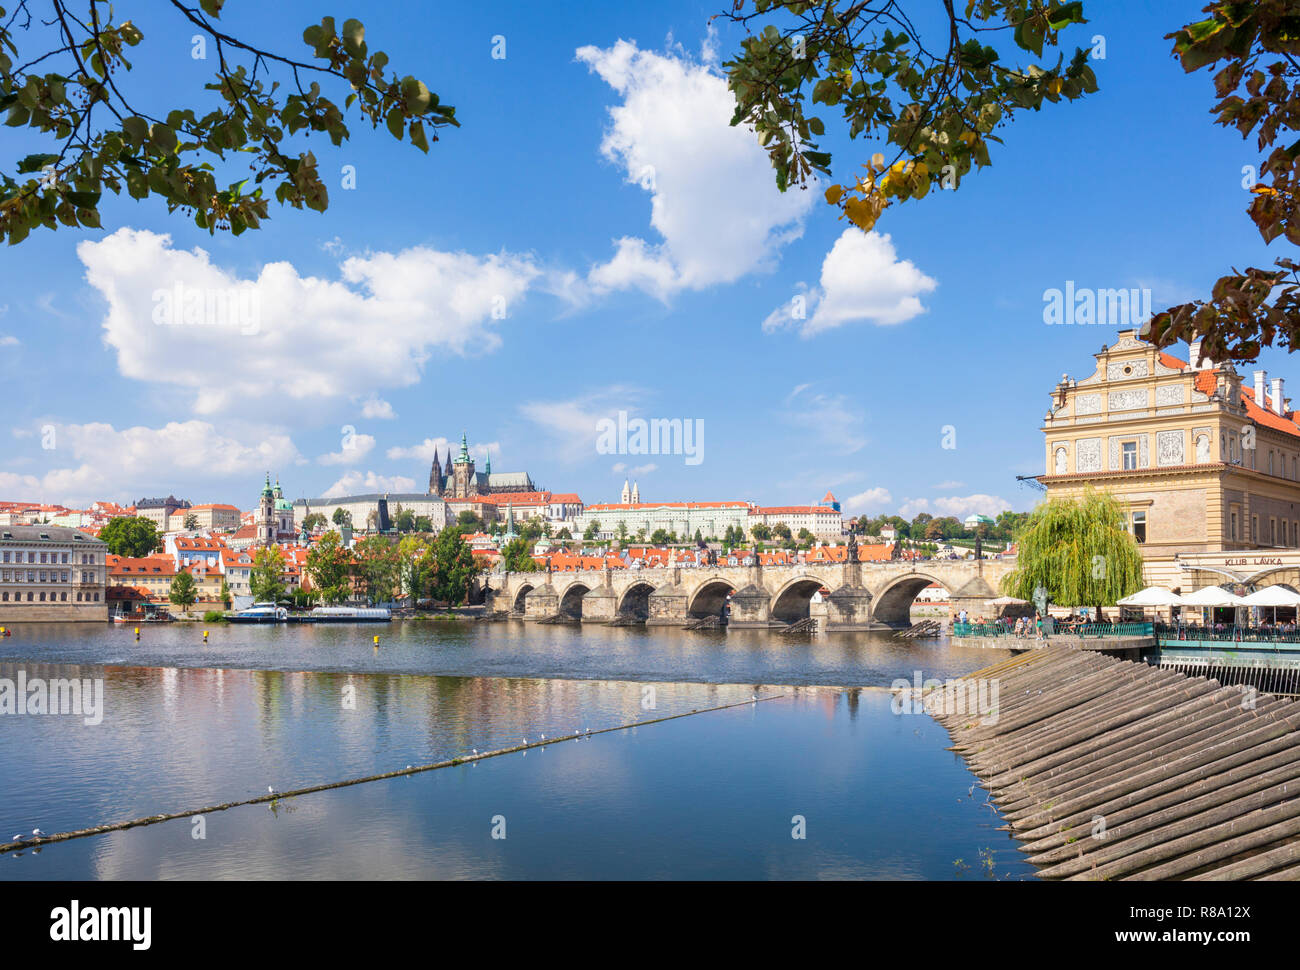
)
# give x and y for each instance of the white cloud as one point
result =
(714, 200)
(8, 341)
(862, 279)
(355, 448)
(284, 339)
(365, 483)
(832, 420)
(105, 462)
(643, 469)
(424, 451)
(573, 423)
(946, 486)
(378, 409)
(873, 499)
(958, 506)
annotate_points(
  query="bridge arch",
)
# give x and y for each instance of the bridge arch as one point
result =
(571, 599)
(893, 605)
(635, 600)
(793, 601)
(709, 597)
(520, 598)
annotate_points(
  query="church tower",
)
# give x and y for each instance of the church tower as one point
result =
(636, 494)
(435, 476)
(266, 515)
(463, 481)
(626, 495)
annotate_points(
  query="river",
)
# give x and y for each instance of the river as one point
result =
(718, 794)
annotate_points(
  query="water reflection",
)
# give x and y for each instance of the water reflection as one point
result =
(708, 796)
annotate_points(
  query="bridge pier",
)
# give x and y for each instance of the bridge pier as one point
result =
(751, 608)
(849, 608)
(541, 602)
(600, 605)
(668, 604)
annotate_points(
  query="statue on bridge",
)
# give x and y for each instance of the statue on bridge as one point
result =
(853, 547)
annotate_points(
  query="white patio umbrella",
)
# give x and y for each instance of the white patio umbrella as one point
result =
(1273, 596)
(1212, 596)
(1153, 596)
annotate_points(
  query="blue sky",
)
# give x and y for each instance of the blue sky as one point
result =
(376, 316)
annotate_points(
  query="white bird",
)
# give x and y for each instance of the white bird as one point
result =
(525, 740)
(475, 750)
(17, 838)
(408, 767)
(588, 730)
(38, 833)
(270, 790)
(543, 737)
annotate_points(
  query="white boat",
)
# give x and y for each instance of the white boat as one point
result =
(260, 613)
(349, 614)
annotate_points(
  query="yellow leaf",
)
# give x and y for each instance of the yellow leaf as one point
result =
(833, 194)
(877, 160)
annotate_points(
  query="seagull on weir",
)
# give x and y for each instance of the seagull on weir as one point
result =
(543, 737)
(38, 833)
(270, 790)
(16, 838)
(475, 750)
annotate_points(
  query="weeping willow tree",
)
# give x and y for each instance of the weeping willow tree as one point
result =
(1079, 551)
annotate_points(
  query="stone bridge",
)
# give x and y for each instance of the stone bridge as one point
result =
(863, 596)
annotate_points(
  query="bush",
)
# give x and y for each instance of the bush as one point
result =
(214, 616)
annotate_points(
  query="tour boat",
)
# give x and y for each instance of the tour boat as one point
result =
(349, 614)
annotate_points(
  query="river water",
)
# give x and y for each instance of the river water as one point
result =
(718, 794)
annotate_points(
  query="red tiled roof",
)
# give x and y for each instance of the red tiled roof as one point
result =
(666, 505)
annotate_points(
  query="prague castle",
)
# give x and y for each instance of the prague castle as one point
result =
(460, 479)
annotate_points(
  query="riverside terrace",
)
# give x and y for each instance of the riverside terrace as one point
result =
(1267, 658)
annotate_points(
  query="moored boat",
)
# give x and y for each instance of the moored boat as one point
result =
(260, 613)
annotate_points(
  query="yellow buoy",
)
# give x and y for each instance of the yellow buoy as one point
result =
(376, 639)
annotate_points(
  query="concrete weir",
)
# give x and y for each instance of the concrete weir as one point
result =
(1110, 769)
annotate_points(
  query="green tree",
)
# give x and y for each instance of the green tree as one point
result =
(592, 529)
(342, 517)
(452, 569)
(517, 556)
(191, 521)
(564, 533)
(781, 530)
(329, 565)
(225, 595)
(1258, 92)
(659, 537)
(66, 85)
(469, 521)
(934, 102)
(183, 592)
(423, 523)
(377, 566)
(760, 532)
(314, 522)
(267, 579)
(131, 536)
(413, 558)
(1079, 551)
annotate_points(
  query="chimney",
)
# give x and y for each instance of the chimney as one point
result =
(1194, 354)
(1278, 406)
(1261, 382)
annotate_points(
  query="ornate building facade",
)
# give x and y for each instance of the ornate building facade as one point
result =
(1205, 464)
(460, 479)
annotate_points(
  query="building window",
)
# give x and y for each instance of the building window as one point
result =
(1140, 526)
(1254, 528)
(1272, 532)
(1129, 451)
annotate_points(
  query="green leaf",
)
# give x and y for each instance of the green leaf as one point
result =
(396, 123)
(34, 163)
(354, 37)
(418, 138)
